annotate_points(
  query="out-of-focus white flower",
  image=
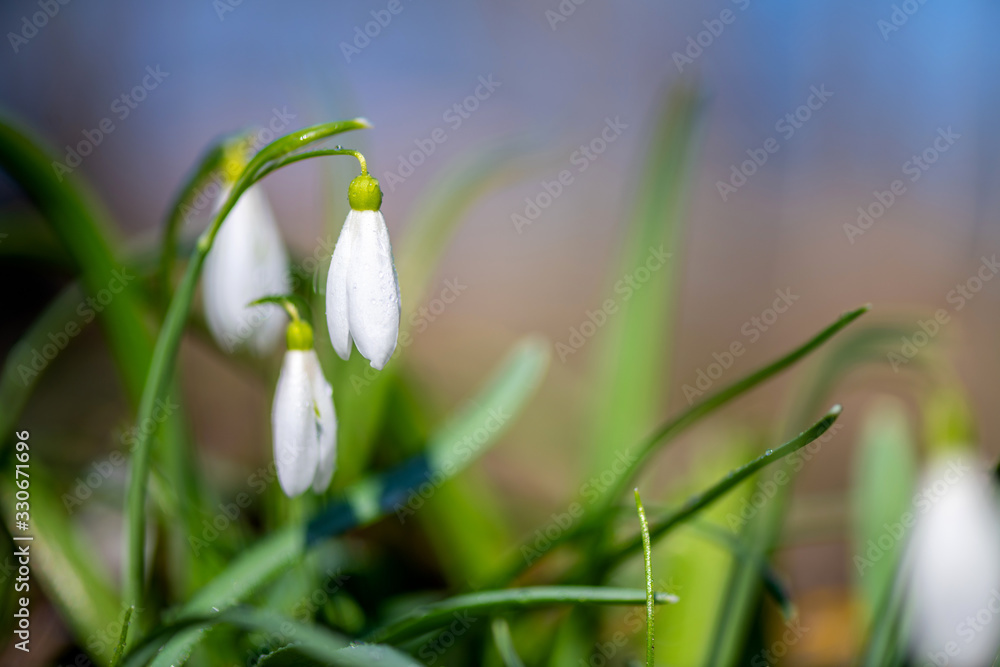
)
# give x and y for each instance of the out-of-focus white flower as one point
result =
(247, 261)
(362, 290)
(303, 418)
(953, 582)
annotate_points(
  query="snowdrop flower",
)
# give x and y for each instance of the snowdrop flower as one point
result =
(246, 262)
(303, 418)
(954, 555)
(362, 290)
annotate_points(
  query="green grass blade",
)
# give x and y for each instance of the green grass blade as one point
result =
(504, 643)
(642, 450)
(721, 398)
(438, 614)
(647, 558)
(122, 638)
(699, 502)
(312, 640)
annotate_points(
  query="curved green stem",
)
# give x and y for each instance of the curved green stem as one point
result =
(168, 342)
(298, 157)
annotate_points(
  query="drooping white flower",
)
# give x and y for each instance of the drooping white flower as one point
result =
(303, 419)
(953, 582)
(247, 261)
(362, 290)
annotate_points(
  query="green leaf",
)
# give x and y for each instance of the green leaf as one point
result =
(505, 643)
(122, 637)
(432, 616)
(312, 640)
(702, 500)
(640, 452)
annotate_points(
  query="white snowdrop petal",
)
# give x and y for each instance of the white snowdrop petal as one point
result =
(336, 289)
(326, 424)
(247, 261)
(293, 420)
(373, 290)
(955, 557)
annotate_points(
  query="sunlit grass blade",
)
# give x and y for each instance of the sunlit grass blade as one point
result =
(312, 640)
(122, 638)
(647, 557)
(700, 501)
(605, 505)
(504, 643)
(721, 398)
(438, 614)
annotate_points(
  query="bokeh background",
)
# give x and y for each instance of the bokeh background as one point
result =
(228, 66)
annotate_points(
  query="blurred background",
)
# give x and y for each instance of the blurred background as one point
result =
(841, 98)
